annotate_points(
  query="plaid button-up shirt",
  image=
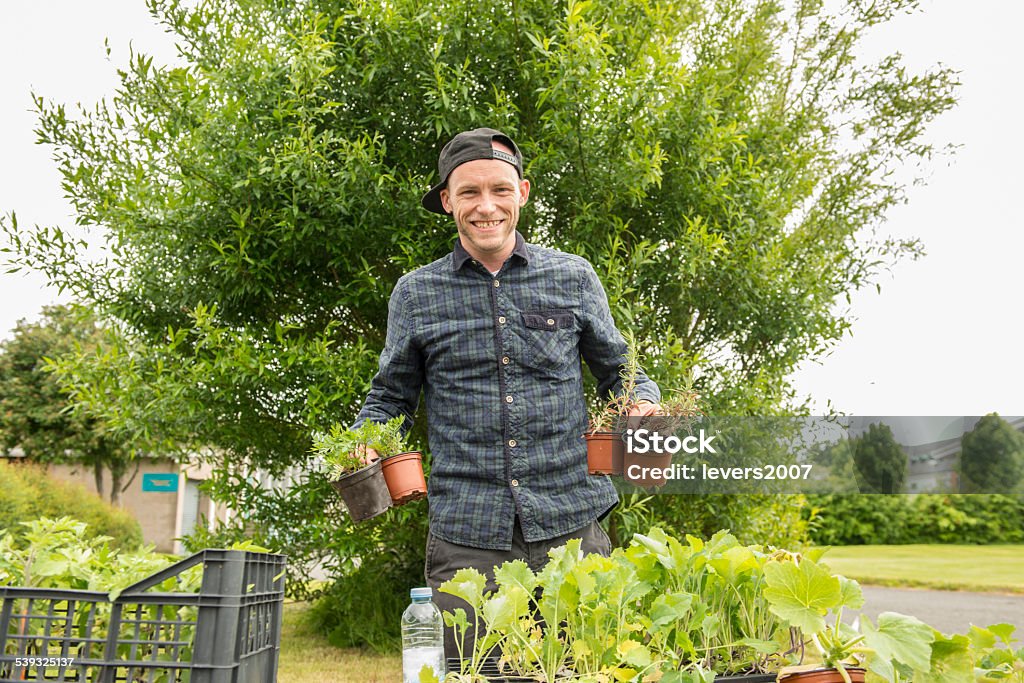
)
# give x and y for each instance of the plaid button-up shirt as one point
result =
(498, 360)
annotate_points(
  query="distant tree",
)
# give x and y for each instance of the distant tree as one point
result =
(834, 467)
(880, 460)
(36, 412)
(991, 456)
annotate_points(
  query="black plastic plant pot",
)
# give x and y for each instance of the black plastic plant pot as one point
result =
(489, 670)
(824, 676)
(364, 491)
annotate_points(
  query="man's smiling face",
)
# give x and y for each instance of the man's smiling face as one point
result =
(484, 197)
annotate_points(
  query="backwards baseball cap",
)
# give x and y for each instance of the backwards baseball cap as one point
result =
(469, 146)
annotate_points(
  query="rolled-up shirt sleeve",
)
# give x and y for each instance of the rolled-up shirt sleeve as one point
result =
(602, 345)
(395, 389)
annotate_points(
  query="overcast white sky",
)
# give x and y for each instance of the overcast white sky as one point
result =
(944, 336)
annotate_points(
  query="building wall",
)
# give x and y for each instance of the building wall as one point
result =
(157, 511)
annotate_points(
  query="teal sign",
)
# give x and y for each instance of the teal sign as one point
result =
(160, 483)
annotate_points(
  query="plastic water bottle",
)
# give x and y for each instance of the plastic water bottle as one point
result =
(422, 637)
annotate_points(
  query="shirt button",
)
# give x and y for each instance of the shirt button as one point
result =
(506, 360)
(497, 284)
(511, 443)
(508, 399)
(501, 319)
(515, 482)
(551, 321)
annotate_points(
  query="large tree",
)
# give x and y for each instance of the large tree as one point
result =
(991, 457)
(880, 460)
(37, 412)
(724, 164)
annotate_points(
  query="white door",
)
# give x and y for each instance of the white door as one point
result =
(190, 510)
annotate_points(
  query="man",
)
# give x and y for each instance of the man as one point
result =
(493, 334)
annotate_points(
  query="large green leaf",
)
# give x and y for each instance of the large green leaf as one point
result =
(733, 562)
(898, 638)
(1003, 632)
(456, 619)
(669, 608)
(950, 661)
(468, 584)
(634, 654)
(515, 573)
(502, 610)
(801, 594)
(850, 593)
(981, 638)
(585, 582)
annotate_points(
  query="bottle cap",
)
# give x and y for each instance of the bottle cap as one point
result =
(421, 593)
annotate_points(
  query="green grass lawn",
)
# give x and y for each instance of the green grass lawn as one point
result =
(307, 657)
(998, 568)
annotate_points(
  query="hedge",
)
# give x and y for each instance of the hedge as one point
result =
(924, 518)
(27, 493)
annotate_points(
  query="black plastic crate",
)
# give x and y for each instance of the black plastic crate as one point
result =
(228, 632)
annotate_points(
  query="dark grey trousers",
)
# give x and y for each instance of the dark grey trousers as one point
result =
(444, 559)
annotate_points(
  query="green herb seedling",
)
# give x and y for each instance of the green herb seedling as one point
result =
(342, 449)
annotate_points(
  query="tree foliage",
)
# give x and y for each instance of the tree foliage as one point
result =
(36, 410)
(991, 457)
(723, 163)
(880, 460)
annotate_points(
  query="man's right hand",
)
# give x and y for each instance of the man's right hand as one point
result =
(367, 455)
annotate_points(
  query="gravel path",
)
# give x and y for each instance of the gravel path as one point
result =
(947, 611)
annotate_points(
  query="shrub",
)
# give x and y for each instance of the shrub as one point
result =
(777, 520)
(27, 493)
(924, 518)
(362, 608)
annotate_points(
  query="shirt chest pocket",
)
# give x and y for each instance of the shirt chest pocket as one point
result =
(551, 339)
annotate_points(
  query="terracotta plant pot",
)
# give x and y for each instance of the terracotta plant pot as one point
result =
(404, 476)
(604, 452)
(364, 491)
(824, 676)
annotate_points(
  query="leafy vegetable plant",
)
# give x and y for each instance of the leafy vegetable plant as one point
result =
(803, 593)
(665, 610)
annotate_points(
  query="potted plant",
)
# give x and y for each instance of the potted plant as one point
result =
(677, 612)
(500, 621)
(608, 419)
(361, 485)
(694, 611)
(604, 445)
(988, 651)
(403, 470)
(727, 629)
(803, 593)
(678, 409)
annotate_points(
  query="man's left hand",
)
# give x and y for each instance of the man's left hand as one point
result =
(644, 408)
